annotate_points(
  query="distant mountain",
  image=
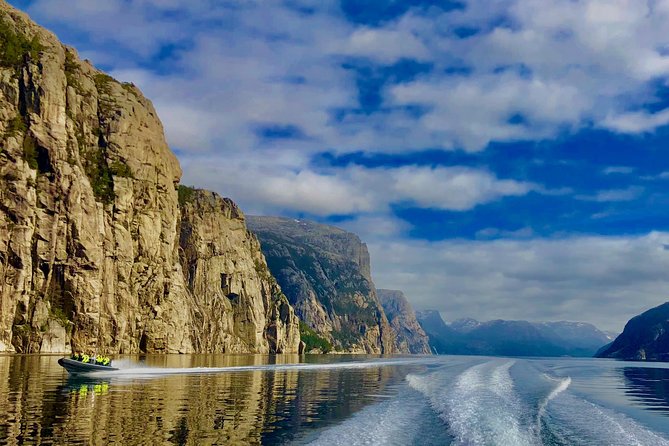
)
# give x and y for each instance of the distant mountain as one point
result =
(465, 325)
(645, 337)
(442, 338)
(409, 336)
(511, 338)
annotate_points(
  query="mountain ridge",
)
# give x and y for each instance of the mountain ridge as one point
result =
(511, 338)
(644, 338)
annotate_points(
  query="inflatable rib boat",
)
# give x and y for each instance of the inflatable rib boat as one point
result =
(79, 368)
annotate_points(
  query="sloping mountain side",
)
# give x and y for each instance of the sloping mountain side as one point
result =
(409, 336)
(645, 337)
(442, 338)
(325, 272)
(90, 224)
(511, 338)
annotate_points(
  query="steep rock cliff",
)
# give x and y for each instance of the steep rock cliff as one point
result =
(645, 337)
(325, 272)
(89, 217)
(409, 336)
(237, 302)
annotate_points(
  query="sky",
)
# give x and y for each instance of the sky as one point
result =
(501, 158)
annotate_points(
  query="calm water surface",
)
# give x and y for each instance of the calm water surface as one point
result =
(249, 399)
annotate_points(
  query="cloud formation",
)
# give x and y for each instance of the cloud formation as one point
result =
(498, 71)
(351, 190)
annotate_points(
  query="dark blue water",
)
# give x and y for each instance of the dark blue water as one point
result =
(333, 400)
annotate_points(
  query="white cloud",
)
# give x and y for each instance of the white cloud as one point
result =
(469, 112)
(623, 170)
(603, 196)
(636, 122)
(448, 187)
(385, 45)
(521, 233)
(278, 188)
(382, 225)
(604, 280)
(126, 23)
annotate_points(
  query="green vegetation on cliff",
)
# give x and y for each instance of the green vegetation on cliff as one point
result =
(100, 175)
(15, 126)
(186, 194)
(30, 151)
(313, 340)
(15, 47)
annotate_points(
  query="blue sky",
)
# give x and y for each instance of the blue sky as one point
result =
(444, 133)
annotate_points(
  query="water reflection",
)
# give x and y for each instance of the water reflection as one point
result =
(40, 404)
(649, 387)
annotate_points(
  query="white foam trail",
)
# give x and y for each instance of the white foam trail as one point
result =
(128, 364)
(147, 372)
(583, 422)
(392, 422)
(561, 387)
(481, 407)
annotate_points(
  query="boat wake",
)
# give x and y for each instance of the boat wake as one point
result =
(488, 402)
(480, 407)
(128, 369)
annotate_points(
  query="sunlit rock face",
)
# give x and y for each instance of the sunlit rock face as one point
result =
(645, 337)
(90, 223)
(409, 335)
(236, 301)
(325, 272)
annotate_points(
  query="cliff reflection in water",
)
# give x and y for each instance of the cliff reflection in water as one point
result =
(649, 387)
(40, 404)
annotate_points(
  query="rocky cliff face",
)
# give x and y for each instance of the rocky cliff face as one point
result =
(409, 336)
(89, 219)
(325, 273)
(645, 337)
(236, 301)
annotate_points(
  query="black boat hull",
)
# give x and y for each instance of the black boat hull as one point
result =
(80, 368)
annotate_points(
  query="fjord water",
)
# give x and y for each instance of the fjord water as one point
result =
(247, 399)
